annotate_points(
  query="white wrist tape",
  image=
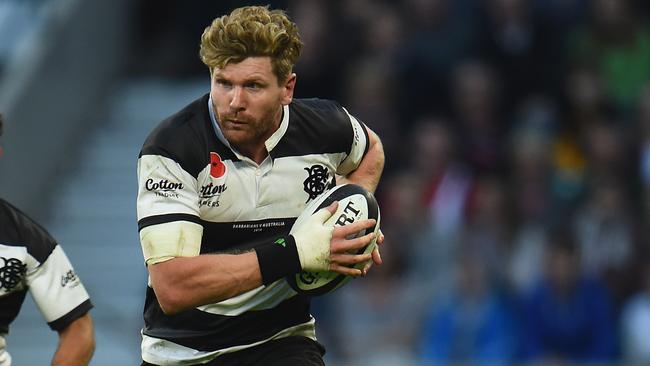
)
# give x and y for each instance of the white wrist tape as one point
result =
(313, 239)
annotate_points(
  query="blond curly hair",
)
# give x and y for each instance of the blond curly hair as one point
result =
(252, 31)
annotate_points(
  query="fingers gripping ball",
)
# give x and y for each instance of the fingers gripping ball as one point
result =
(313, 236)
(355, 204)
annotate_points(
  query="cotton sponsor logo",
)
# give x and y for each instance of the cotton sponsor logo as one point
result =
(69, 279)
(163, 187)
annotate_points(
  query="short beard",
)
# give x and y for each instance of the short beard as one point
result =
(261, 130)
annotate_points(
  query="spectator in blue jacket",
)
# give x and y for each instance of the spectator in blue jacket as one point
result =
(567, 316)
(474, 325)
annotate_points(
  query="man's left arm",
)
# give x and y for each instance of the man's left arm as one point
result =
(367, 175)
(76, 343)
(369, 171)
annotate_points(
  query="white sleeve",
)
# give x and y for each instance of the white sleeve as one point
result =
(164, 188)
(56, 288)
(168, 210)
(357, 150)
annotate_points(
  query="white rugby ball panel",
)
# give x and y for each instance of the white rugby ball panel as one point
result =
(355, 203)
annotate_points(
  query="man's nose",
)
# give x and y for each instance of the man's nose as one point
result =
(238, 100)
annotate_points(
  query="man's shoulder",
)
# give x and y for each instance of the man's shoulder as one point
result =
(20, 230)
(192, 117)
(316, 105)
(316, 126)
(316, 111)
(180, 132)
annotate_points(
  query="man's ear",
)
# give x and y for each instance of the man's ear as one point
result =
(287, 89)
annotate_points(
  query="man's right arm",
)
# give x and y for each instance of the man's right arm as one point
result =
(182, 283)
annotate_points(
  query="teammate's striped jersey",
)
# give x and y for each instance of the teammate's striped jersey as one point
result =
(31, 260)
(197, 195)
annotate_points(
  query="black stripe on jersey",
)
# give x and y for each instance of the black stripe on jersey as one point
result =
(365, 132)
(73, 315)
(187, 137)
(242, 235)
(204, 331)
(228, 236)
(163, 219)
(316, 126)
(19, 230)
(9, 307)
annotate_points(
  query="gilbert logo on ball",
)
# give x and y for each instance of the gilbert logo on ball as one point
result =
(355, 203)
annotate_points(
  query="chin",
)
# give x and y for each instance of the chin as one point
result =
(238, 138)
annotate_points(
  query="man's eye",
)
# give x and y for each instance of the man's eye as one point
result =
(224, 83)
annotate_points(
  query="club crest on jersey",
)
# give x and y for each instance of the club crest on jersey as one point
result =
(318, 180)
(11, 273)
(210, 193)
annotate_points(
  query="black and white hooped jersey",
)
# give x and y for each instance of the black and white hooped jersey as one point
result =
(31, 260)
(197, 195)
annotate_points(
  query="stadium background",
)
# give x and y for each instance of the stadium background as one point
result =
(515, 198)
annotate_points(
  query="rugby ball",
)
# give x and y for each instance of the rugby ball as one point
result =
(355, 203)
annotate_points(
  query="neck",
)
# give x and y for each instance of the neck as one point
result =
(255, 153)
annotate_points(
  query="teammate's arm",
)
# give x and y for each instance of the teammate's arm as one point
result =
(368, 172)
(62, 299)
(76, 343)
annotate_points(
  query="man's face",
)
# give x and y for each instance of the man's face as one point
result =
(248, 101)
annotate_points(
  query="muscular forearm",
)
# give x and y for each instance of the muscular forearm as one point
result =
(186, 282)
(369, 171)
(76, 343)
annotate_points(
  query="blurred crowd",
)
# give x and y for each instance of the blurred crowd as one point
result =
(516, 195)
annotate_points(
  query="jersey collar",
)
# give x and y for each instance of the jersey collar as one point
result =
(270, 143)
(273, 140)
